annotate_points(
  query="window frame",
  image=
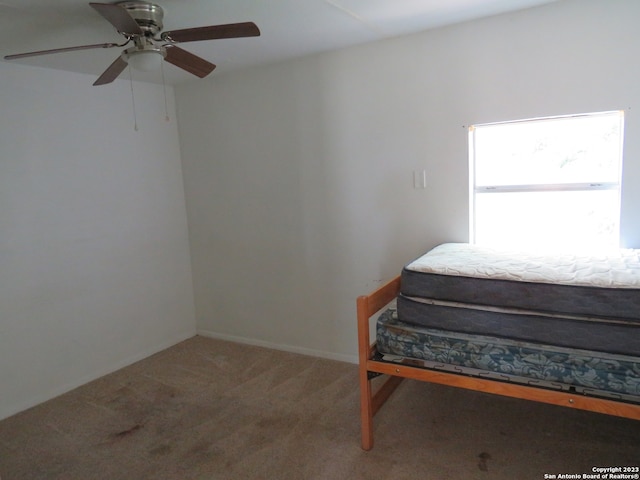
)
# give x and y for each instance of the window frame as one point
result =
(475, 189)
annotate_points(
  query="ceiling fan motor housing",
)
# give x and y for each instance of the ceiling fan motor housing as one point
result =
(148, 15)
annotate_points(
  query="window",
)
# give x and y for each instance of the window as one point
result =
(548, 183)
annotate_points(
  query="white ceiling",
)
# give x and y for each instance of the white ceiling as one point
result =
(290, 28)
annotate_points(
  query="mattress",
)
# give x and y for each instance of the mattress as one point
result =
(591, 333)
(587, 302)
(606, 285)
(548, 366)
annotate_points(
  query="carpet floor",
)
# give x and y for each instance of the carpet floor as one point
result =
(208, 409)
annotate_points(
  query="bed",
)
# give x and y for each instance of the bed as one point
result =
(558, 329)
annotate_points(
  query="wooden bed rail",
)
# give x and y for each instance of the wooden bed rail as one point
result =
(370, 401)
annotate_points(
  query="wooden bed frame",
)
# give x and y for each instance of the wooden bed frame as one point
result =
(370, 367)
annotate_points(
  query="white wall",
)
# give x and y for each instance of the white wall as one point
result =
(299, 175)
(94, 254)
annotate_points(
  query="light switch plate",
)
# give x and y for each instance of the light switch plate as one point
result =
(419, 179)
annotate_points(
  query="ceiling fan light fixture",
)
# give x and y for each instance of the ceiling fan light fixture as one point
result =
(146, 60)
(140, 22)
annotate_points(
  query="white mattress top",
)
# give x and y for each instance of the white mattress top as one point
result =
(613, 269)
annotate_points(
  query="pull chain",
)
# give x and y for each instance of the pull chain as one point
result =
(164, 88)
(133, 101)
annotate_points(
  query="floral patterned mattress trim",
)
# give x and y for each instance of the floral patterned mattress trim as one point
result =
(591, 372)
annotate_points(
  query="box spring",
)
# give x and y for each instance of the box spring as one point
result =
(589, 372)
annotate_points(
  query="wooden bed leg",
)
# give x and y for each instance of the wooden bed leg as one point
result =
(364, 349)
(384, 392)
(366, 412)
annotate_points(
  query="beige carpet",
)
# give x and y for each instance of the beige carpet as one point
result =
(207, 409)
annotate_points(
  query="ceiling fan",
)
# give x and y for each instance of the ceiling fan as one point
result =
(141, 24)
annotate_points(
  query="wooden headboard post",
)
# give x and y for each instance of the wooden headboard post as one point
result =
(369, 305)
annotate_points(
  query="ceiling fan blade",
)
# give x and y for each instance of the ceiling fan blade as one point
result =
(213, 32)
(118, 17)
(188, 61)
(60, 50)
(112, 72)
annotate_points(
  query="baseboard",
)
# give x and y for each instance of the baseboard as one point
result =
(12, 410)
(278, 346)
